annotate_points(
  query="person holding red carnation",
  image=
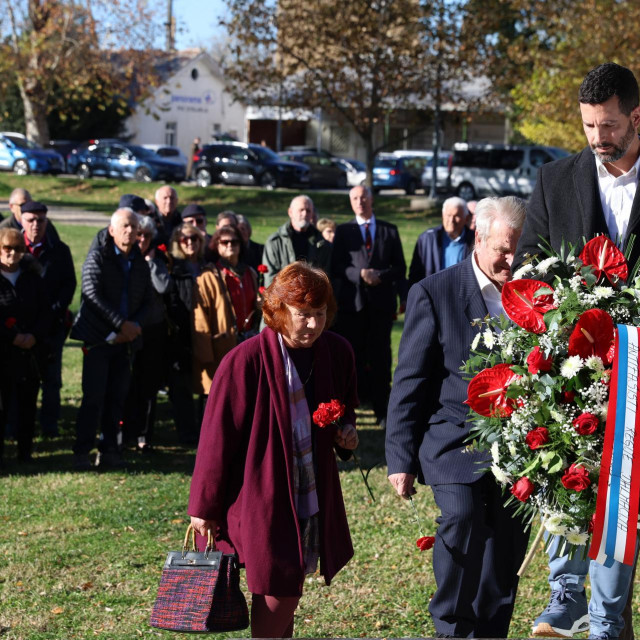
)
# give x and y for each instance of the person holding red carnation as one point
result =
(265, 480)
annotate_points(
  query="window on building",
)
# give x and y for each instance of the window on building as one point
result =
(170, 133)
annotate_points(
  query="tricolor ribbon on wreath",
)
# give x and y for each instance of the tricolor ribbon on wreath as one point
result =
(615, 525)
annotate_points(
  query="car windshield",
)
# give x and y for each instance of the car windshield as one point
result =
(386, 164)
(141, 151)
(23, 143)
(266, 154)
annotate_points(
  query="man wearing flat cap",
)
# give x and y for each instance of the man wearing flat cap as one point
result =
(59, 277)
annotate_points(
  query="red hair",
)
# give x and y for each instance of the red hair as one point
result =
(297, 285)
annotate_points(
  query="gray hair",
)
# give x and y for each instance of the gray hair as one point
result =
(243, 220)
(166, 186)
(364, 187)
(147, 225)
(118, 213)
(306, 198)
(17, 193)
(510, 209)
(455, 201)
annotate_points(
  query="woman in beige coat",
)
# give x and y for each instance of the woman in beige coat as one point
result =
(225, 305)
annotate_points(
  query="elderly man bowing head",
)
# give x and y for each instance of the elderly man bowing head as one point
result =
(479, 545)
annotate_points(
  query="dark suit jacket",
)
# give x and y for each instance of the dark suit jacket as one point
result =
(427, 258)
(565, 205)
(426, 420)
(349, 256)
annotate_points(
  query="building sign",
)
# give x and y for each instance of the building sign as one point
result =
(193, 103)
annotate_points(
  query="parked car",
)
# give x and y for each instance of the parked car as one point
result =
(248, 164)
(23, 156)
(168, 153)
(393, 172)
(64, 148)
(445, 160)
(356, 171)
(491, 169)
(323, 171)
(117, 159)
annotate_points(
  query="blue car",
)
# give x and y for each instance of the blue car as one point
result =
(394, 172)
(23, 156)
(116, 159)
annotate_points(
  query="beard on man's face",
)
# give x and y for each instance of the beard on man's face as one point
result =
(614, 152)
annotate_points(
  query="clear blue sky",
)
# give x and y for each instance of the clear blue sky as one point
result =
(197, 22)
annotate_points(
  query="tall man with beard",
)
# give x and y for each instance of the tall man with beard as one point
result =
(592, 192)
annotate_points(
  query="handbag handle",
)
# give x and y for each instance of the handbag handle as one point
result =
(211, 545)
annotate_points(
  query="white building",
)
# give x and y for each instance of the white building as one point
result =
(192, 102)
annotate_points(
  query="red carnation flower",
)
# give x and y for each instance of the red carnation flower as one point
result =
(328, 412)
(10, 322)
(487, 391)
(523, 489)
(586, 424)
(537, 437)
(162, 247)
(425, 543)
(593, 336)
(605, 258)
(568, 397)
(524, 307)
(85, 351)
(576, 477)
(262, 268)
(261, 289)
(537, 361)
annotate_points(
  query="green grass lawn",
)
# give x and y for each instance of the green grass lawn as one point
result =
(81, 553)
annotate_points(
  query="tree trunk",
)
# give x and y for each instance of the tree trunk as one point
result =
(35, 118)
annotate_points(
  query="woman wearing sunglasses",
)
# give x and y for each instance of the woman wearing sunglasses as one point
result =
(24, 324)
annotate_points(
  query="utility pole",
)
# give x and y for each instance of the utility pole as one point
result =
(169, 45)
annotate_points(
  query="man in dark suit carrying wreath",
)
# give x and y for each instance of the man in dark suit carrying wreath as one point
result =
(479, 545)
(576, 198)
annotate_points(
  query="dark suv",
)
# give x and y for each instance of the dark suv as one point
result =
(248, 164)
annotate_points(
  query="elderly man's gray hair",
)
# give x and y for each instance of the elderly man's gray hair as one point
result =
(456, 202)
(147, 225)
(510, 209)
(118, 214)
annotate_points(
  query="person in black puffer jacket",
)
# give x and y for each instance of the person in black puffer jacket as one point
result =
(116, 294)
(24, 325)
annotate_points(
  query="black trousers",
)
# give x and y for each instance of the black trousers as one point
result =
(478, 551)
(369, 333)
(106, 373)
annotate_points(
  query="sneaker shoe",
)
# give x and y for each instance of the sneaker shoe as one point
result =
(565, 614)
(82, 462)
(110, 460)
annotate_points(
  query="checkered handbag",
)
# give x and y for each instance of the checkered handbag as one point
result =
(200, 592)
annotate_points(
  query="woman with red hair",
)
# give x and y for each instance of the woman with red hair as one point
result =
(266, 481)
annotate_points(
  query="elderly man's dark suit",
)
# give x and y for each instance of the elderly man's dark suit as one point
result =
(427, 254)
(565, 207)
(479, 546)
(365, 313)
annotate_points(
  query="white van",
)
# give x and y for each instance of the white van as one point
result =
(480, 170)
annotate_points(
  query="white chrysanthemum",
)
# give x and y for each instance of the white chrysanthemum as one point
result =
(522, 271)
(501, 476)
(571, 366)
(512, 448)
(576, 537)
(476, 341)
(602, 293)
(495, 452)
(544, 265)
(489, 338)
(554, 525)
(595, 363)
(556, 415)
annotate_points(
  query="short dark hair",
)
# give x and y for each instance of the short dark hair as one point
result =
(608, 80)
(227, 230)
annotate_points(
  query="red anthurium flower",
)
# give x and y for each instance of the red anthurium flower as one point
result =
(487, 391)
(10, 322)
(524, 307)
(425, 543)
(593, 336)
(262, 268)
(605, 258)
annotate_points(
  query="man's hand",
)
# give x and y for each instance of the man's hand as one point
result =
(403, 484)
(347, 437)
(130, 330)
(24, 341)
(370, 277)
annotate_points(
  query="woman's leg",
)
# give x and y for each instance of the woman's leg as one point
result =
(272, 616)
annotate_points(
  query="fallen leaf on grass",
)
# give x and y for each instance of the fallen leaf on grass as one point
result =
(57, 611)
(22, 533)
(86, 585)
(177, 521)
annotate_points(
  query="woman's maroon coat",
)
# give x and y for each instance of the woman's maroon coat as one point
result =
(243, 472)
